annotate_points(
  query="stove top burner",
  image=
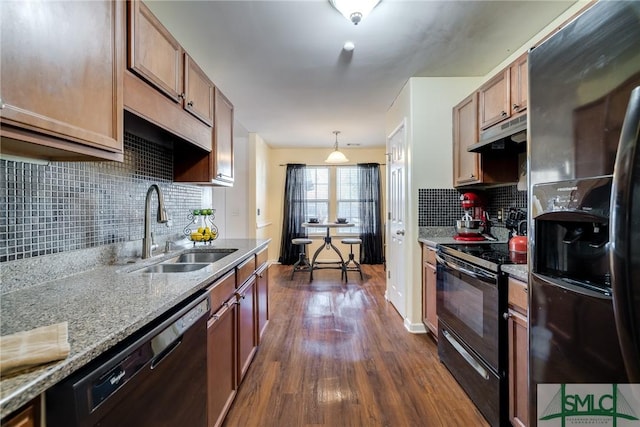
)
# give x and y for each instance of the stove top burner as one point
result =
(493, 253)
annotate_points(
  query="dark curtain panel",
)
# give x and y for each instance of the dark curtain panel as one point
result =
(370, 213)
(295, 213)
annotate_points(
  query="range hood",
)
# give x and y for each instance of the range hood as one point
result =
(507, 136)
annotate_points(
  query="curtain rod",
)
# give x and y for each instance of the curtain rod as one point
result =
(342, 164)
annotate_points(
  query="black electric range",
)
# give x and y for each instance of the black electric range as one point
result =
(471, 300)
(487, 255)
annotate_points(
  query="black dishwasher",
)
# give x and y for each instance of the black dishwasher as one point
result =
(158, 378)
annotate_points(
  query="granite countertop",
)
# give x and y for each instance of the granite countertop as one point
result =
(517, 271)
(102, 306)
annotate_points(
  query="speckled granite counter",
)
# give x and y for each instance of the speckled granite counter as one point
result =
(517, 271)
(103, 306)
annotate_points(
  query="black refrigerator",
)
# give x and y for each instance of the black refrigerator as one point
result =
(584, 217)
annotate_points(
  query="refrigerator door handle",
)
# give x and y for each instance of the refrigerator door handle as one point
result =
(622, 194)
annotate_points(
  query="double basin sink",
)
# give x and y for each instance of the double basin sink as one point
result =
(188, 261)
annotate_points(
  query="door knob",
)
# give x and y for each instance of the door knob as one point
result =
(400, 232)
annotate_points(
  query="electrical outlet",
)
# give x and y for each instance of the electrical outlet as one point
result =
(500, 214)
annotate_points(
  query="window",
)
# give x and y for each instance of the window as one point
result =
(348, 197)
(317, 195)
(327, 201)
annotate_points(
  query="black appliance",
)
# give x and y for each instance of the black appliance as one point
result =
(584, 113)
(157, 378)
(471, 299)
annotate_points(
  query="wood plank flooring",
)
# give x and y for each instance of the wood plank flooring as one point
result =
(336, 354)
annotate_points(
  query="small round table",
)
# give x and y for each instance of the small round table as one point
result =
(319, 265)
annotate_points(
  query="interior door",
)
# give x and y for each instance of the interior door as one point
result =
(397, 264)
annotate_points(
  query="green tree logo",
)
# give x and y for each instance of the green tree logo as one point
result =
(587, 406)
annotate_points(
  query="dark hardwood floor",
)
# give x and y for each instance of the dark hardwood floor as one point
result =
(336, 354)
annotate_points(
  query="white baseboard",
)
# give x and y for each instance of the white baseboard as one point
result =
(415, 328)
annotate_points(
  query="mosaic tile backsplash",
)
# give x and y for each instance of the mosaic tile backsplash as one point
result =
(63, 206)
(439, 207)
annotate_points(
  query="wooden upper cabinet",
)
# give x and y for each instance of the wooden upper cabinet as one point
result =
(505, 95)
(223, 139)
(154, 54)
(61, 79)
(494, 100)
(473, 169)
(519, 85)
(198, 91)
(466, 165)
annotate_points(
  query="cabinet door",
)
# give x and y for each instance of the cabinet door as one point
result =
(221, 362)
(519, 85)
(432, 315)
(466, 165)
(153, 52)
(223, 139)
(247, 335)
(198, 91)
(494, 100)
(61, 76)
(263, 299)
(518, 369)
(29, 416)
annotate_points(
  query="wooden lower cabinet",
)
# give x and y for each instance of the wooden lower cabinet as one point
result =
(518, 331)
(27, 416)
(247, 325)
(262, 278)
(429, 282)
(221, 362)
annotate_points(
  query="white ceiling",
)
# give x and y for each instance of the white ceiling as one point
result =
(282, 65)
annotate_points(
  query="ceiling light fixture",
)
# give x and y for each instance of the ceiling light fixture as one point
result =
(349, 46)
(354, 10)
(336, 156)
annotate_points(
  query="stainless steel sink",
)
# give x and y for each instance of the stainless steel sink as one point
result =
(172, 268)
(204, 256)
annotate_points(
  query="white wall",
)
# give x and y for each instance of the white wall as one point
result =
(259, 171)
(232, 203)
(426, 103)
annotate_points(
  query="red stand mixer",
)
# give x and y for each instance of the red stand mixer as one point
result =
(474, 225)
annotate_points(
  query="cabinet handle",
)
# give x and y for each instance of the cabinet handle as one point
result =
(504, 114)
(472, 176)
(190, 103)
(506, 316)
(516, 107)
(181, 96)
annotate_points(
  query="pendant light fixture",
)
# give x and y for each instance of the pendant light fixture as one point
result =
(336, 156)
(354, 10)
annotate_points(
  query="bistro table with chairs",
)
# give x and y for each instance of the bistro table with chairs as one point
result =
(328, 245)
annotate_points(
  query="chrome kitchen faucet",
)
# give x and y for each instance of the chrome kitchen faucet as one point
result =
(163, 218)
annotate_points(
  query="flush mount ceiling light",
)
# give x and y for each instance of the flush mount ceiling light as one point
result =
(336, 156)
(354, 10)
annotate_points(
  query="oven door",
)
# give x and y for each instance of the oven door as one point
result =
(468, 302)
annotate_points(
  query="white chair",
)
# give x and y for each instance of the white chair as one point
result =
(303, 262)
(351, 260)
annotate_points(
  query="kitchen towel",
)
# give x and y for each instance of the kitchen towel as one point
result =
(31, 348)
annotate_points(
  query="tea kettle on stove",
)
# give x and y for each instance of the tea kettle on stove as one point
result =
(518, 243)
